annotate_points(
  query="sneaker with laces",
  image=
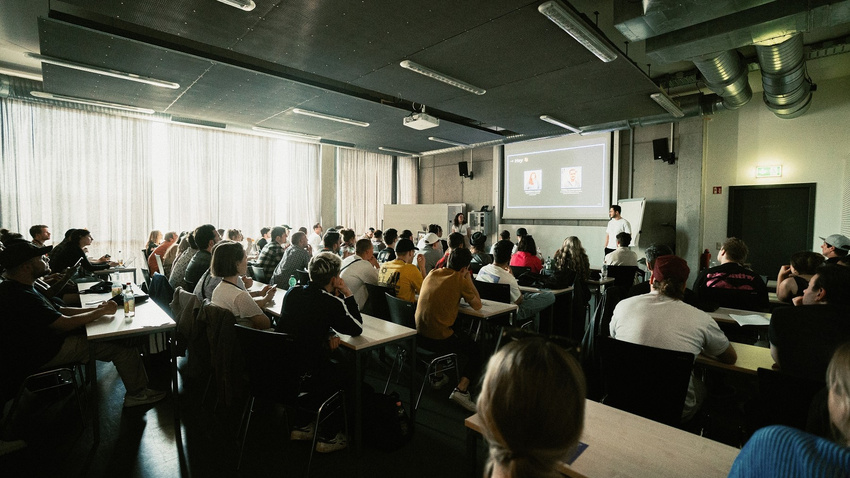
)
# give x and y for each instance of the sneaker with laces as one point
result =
(145, 397)
(303, 433)
(463, 399)
(438, 382)
(327, 446)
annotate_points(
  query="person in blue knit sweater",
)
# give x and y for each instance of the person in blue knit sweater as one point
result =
(780, 451)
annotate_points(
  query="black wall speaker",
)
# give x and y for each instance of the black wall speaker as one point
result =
(463, 169)
(660, 149)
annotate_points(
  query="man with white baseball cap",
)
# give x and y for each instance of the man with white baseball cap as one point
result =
(429, 249)
(835, 247)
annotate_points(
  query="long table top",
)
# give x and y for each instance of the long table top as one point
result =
(722, 314)
(489, 308)
(149, 319)
(750, 359)
(621, 444)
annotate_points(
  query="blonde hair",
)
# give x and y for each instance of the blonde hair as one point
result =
(532, 405)
(572, 256)
(838, 383)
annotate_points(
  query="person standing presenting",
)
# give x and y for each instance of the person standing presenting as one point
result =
(615, 226)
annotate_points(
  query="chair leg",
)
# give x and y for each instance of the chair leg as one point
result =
(249, 410)
(392, 368)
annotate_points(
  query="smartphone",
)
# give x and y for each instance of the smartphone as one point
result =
(77, 264)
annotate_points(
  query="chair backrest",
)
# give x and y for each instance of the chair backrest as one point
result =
(597, 329)
(159, 266)
(494, 291)
(785, 399)
(646, 381)
(376, 302)
(401, 311)
(269, 363)
(713, 297)
(161, 291)
(302, 276)
(259, 274)
(624, 276)
(519, 270)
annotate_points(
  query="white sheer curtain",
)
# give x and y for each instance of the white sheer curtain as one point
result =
(122, 177)
(364, 184)
(407, 180)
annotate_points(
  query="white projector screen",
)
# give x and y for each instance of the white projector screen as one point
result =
(568, 177)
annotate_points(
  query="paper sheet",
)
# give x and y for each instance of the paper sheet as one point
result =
(752, 319)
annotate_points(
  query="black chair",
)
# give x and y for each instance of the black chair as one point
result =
(403, 313)
(258, 274)
(43, 381)
(499, 293)
(597, 328)
(302, 277)
(376, 302)
(624, 276)
(519, 270)
(784, 399)
(646, 381)
(161, 292)
(710, 298)
(272, 362)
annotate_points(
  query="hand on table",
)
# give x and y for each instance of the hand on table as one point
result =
(108, 307)
(333, 342)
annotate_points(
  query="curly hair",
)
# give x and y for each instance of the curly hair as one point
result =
(572, 256)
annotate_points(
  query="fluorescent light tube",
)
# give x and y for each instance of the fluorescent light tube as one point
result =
(400, 151)
(577, 28)
(338, 119)
(246, 5)
(557, 122)
(104, 71)
(447, 141)
(86, 101)
(424, 70)
(668, 104)
(292, 134)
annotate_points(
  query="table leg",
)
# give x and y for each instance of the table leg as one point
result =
(413, 365)
(91, 371)
(175, 388)
(359, 358)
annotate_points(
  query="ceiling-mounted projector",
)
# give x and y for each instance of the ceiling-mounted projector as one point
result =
(421, 121)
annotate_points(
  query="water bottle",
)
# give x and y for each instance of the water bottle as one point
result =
(292, 281)
(129, 303)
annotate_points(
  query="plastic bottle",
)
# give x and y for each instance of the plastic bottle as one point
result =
(129, 303)
(292, 281)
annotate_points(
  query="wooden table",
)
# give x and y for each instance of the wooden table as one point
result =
(624, 445)
(563, 298)
(721, 315)
(149, 319)
(750, 359)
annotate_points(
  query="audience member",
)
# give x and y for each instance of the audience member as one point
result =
(622, 255)
(794, 278)
(359, 269)
(503, 236)
(272, 253)
(308, 313)
(429, 250)
(530, 303)
(315, 238)
(153, 241)
(169, 239)
(72, 251)
(660, 319)
(407, 234)
(40, 234)
(526, 255)
(435, 318)
(295, 258)
(187, 249)
(264, 238)
(456, 241)
(529, 432)
(478, 246)
(401, 274)
(348, 240)
(570, 262)
(713, 284)
(835, 247)
(388, 253)
(616, 225)
(330, 243)
(369, 234)
(778, 451)
(520, 234)
(206, 237)
(803, 338)
(653, 252)
(229, 263)
(378, 241)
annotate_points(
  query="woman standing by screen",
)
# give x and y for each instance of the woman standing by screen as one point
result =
(460, 225)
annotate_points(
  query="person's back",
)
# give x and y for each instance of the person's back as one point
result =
(731, 284)
(438, 301)
(295, 257)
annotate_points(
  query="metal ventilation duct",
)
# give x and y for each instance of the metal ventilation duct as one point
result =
(726, 75)
(787, 87)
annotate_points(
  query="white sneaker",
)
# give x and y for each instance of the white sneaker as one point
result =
(7, 447)
(302, 433)
(338, 442)
(145, 397)
(463, 399)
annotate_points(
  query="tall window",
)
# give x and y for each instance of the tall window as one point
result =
(364, 184)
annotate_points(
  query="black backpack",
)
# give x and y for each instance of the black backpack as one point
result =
(386, 425)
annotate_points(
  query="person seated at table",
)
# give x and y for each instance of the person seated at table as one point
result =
(387, 253)
(802, 338)
(570, 263)
(783, 452)
(660, 319)
(313, 313)
(330, 243)
(478, 248)
(526, 255)
(435, 318)
(835, 248)
(456, 241)
(186, 250)
(154, 239)
(653, 252)
(272, 253)
(503, 236)
(265, 237)
(296, 257)
(430, 250)
(40, 234)
(529, 433)
(349, 238)
(71, 251)
(530, 303)
(168, 241)
(622, 255)
(230, 263)
(206, 237)
(378, 241)
(36, 335)
(793, 278)
(360, 269)
(401, 274)
(732, 284)
(406, 234)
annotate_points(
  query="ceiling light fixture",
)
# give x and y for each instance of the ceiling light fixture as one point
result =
(400, 151)
(447, 141)
(246, 5)
(292, 134)
(668, 104)
(86, 101)
(424, 70)
(338, 119)
(557, 122)
(572, 23)
(104, 71)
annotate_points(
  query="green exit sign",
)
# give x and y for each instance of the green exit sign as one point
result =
(768, 171)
